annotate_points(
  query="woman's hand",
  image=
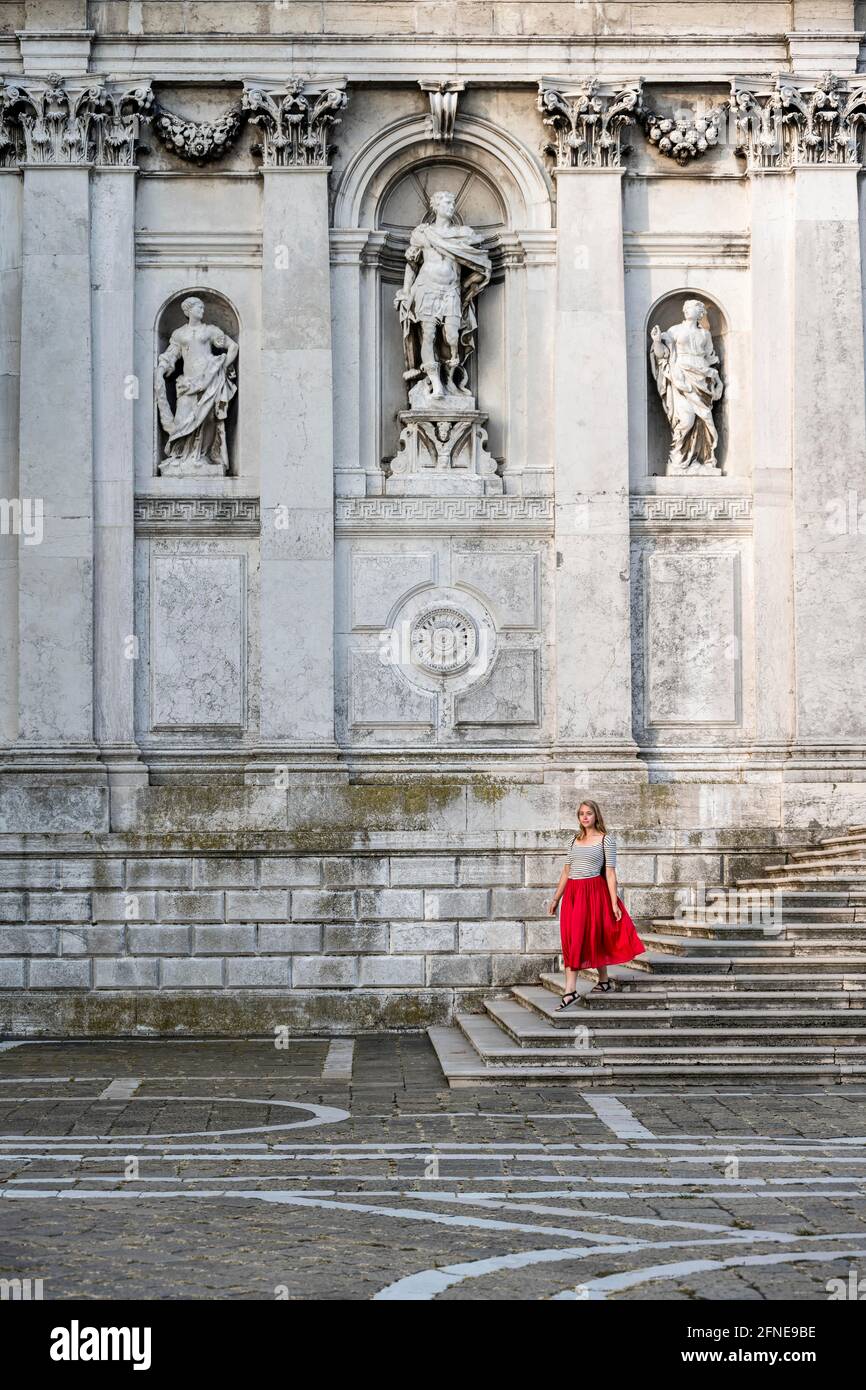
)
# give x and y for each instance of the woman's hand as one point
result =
(617, 912)
(551, 911)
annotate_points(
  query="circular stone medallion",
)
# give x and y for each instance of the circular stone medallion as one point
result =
(443, 640)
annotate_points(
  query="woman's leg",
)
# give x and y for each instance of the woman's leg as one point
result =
(570, 980)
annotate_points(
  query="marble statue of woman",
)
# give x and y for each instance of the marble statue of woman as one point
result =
(196, 429)
(684, 367)
(446, 270)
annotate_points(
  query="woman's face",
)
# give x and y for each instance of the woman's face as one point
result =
(586, 816)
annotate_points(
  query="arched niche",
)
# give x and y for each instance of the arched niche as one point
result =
(667, 311)
(404, 204)
(220, 311)
(381, 195)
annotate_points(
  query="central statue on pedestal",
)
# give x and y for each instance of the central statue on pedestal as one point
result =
(446, 270)
(443, 443)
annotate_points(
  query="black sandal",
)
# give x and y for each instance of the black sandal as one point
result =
(570, 996)
(602, 987)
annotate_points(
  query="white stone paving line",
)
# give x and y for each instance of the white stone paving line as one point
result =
(616, 1116)
(321, 1114)
(426, 1284)
(339, 1060)
(123, 1088)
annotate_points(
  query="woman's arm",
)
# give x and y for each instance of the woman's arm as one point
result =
(610, 875)
(560, 889)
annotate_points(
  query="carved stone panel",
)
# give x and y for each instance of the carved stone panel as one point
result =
(198, 642)
(691, 638)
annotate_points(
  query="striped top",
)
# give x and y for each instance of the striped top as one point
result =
(586, 861)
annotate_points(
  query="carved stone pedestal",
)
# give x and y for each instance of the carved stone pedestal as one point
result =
(443, 453)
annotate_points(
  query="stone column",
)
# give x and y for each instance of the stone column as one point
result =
(829, 447)
(55, 596)
(593, 628)
(807, 292)
(772, 362)
(297, 463)
(115, 390)
(10, 348)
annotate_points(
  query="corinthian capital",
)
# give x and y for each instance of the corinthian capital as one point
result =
(798, 121)
(295, 120)
(54, 121)
(587, 121)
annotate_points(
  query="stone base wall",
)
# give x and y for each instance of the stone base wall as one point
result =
(123, 935)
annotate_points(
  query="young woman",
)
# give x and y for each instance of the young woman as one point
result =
(595, 927)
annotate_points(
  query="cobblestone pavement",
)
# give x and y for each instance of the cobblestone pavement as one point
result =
(240, 1170)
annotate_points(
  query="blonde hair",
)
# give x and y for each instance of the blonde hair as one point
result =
(599, 818)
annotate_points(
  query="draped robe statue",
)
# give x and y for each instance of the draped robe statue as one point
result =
(684, 365)
(196, 429)
(446, 270)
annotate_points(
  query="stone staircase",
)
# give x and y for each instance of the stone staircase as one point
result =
(765, 982)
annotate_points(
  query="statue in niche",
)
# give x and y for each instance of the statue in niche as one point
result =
(196, 429)
(684, 365)
(446, 270)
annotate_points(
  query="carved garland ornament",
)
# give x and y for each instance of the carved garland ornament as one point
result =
(199, 142)
(684, 137)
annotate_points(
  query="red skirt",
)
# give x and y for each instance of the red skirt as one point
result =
(591, 935)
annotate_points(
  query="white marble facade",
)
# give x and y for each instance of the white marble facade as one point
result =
(429, 416)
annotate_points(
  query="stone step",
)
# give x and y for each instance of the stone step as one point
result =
(753, 931)
(701, 946)
(528, 1029)
(628, 979)
(739, 910)
(748, 1009)
(825, 863)
(464, 1066)
(804, 879)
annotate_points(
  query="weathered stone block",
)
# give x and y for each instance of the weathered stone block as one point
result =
(391, 903)
(491, 936)
(456, 902)
(127, 972)
(59, 907)
(158, 940)
(518, 970)
(688, 868)
(28, 941)
(60, 974)
(27, 873)
(520, 902)
(266, 906)
(635, 868)
(158, 873)
(89, 873)
(296, 936)
(185, 973)
(289, 872)
(12, 907)
(419, 938)
(224, 940)
(309, 906)
(135, 906)
(347, 871)
(543, 936)
(190, 907)
(11, 974)
(355, 937)
(491, 868)
(543, 870)
(91, 941)
(324, 972)
(425, 871)
(255, 973)
(458, 970)
(225, 873)
(392, 970)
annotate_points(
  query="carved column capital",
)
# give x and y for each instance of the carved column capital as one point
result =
(798, 121)
(296, 120)
(53, 120)
(587, 121)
